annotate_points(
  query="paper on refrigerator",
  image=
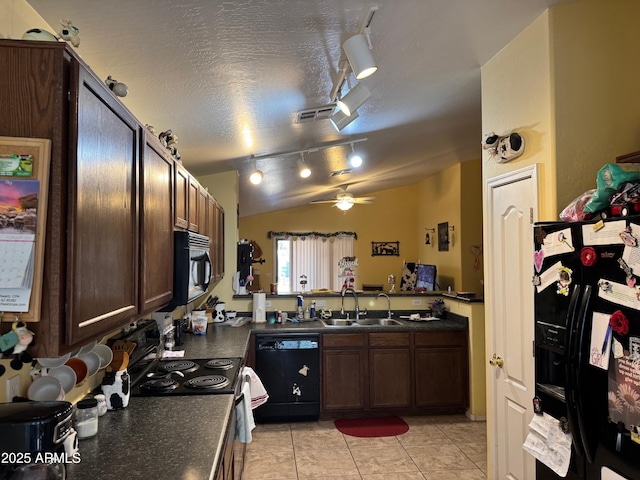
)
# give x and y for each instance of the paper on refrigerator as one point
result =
(609, 234)
(600, 341)
(548, 444)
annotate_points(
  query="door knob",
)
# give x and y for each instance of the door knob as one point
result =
(496, 361)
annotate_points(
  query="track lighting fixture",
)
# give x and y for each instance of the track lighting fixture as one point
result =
(256, 176)
(359, 56)
(303, 169)
(355, 160)
(354, 99)
(339, 120)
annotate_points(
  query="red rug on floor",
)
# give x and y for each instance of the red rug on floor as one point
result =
(372, 427)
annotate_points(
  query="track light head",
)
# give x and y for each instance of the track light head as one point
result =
(359, 56)
(339, 120)
(354, 99)
(256, 177)
(303, 169)
(355, 160)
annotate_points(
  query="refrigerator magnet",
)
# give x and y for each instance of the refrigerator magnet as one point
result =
(538, 258)
(564, 281)
(627, 238)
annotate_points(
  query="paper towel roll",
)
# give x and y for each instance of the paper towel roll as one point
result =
(259, 303)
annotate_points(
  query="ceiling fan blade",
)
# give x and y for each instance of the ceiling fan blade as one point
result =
(323, 201)
(366, 199)
(362, 202)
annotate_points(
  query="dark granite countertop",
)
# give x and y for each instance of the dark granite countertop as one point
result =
(182, 437)
(156, 437)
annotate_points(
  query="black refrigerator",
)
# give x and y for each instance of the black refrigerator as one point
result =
(587, 343)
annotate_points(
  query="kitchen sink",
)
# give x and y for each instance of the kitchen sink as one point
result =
(337, 322)
(368, 322)
(384, 322)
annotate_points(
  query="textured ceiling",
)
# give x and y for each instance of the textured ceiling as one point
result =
(228, 77)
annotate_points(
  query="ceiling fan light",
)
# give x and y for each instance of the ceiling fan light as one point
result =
(344, 204)
(256, 177)
(303, 169)
(359, 56)
(354, 99)
(339, 120)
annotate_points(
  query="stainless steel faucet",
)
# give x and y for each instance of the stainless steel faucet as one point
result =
(355, 296)
(388, 303)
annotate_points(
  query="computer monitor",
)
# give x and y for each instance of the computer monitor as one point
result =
(426, 277)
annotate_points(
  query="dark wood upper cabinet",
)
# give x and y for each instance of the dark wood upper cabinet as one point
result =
(103, 209)
(194, 204)
(156, 225)
(181, 196)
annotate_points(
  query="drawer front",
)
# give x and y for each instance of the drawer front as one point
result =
(440, 339)
(340, 340)
(400, 339)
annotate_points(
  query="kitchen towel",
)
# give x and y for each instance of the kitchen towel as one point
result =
(244, 415)
(259, 394)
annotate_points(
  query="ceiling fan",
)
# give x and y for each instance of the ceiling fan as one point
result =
(345, 200)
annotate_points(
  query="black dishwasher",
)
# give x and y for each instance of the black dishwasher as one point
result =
(289, 367)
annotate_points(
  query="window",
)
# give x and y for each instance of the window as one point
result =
(315, 256)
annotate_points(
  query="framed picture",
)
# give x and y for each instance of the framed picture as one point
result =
(385, 248)
(24, 181)
(443, 237)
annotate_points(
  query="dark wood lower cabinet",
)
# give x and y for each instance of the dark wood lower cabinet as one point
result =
(403, 372)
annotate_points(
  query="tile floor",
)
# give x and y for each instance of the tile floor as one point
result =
(434, 448)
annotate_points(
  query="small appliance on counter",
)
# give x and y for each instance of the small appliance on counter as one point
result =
(33, 432)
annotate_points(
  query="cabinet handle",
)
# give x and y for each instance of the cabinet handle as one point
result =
(496, 361)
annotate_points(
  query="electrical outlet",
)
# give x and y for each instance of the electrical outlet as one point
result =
(321, 303)
(267, 303)
(13, 387)
(416, 302)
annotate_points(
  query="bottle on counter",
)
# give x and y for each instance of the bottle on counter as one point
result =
(300, 314)
(307, 314)
(312, 310)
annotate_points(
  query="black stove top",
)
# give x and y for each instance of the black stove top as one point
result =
(188, 377)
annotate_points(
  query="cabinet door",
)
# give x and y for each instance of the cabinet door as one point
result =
(102, 248)
(441, 377)
(181, 196)
(194, 204)
(343, 380)
(203, 199)
(390, 378)
(218, 234)
(156, 226)
(211, 229)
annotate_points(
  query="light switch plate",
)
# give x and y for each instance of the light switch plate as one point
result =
(267, 303)
(416, 302)
(321, 303)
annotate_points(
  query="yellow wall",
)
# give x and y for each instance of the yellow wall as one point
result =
(594, 55)
(392, 217)
(17, 16)
(452, 196)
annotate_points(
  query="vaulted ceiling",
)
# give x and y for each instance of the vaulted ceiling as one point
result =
(229, 78)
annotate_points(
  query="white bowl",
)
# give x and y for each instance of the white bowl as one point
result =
(45, 389)
(87, 348)
(105, 354)
(53, 362)
(65, 375)
(92, 360)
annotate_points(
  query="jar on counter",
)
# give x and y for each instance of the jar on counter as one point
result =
(102, 404)
(86, 418)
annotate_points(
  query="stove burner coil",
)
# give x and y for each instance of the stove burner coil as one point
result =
(184, 366)
(207, 382)
(220, 363)
(159, 385)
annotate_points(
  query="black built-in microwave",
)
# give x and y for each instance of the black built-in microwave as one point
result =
(192, 268)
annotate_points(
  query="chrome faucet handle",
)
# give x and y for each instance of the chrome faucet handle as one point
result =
(364, 313)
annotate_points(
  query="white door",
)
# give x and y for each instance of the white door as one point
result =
(512, 207)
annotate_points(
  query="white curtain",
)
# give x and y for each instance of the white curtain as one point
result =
(318, 258)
